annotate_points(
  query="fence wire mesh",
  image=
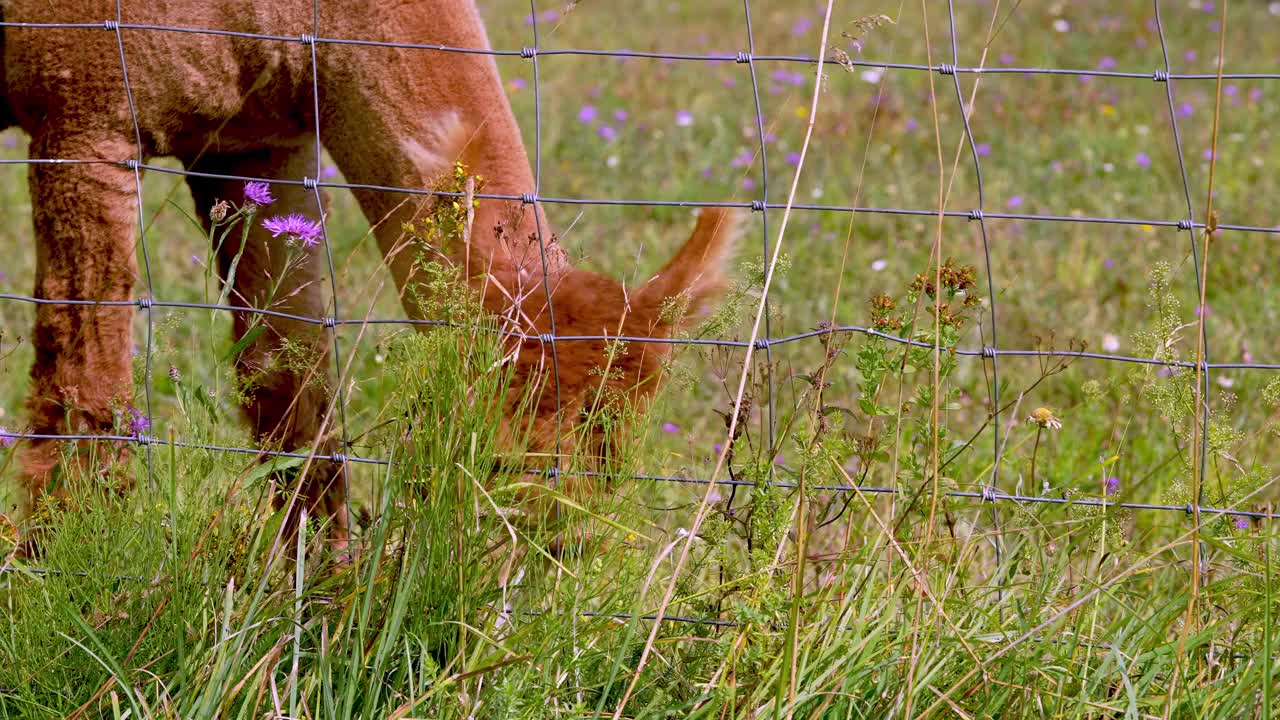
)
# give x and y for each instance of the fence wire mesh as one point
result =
(990, 353)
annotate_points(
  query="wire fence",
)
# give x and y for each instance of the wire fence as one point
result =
(989, 493)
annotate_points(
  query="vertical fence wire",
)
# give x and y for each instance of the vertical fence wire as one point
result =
(997, 540)
(331, 325)
(145, 301)
(763, 206)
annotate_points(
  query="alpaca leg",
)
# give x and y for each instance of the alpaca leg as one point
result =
(284, 372)
(85, 218)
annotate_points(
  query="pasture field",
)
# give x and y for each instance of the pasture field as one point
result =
(866, 560)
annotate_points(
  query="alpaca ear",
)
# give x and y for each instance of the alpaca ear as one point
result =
(695, 277)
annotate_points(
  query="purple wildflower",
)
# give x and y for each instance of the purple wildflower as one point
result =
(911, 125)
(138, 422)
(1109, 263)
(328, 171)
(1208, 154)
(801, 26)
(607, 132)
(1015, 201)
(780, 75)
(1215, 26)
(1113, 485)
(793, 158)
(1189, 56)
(707, 173)
(983, 149)
(1242, 523)
(1185, 109)
(518, 83)
(748, 184)
(1006, 59)
(771, 137)
(294, 225)
(684, 118)
(730, 81)
(797, 78)
(1107, 63)
(1255, 95)
(6, 440)
(258, 193)
(670, 428)
(620, 115)
(1230, 91)
(1142, 160)
(587, 114)
(775, 89)
(718, 447)
(744, 159)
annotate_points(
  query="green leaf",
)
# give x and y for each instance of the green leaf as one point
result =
(245, 341)
(277, 463)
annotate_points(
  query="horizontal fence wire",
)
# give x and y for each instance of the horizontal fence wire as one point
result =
(985, 493)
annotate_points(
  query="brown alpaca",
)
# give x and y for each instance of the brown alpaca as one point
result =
(234, 106)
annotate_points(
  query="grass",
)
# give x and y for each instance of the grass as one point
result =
(169, 603)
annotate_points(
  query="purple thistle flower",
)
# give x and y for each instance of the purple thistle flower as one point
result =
(983, 149)
(1185, 109)
(6, 440)
(587, 114)
(1255, 94)
(294, 225)
(1230, 90)
(138, 422)
(328, 171)
(793, 158)
(1113, 485)
(670, 428)
(1242, 523)
(620, 115)
(718, 447)
(1142, 160)
(1015, 201)
(684, 118)
(607, 132)
(258, 193)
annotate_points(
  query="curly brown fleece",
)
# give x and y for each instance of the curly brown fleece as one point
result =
(223, 105)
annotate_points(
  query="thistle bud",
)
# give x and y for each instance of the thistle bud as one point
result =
(218, 212)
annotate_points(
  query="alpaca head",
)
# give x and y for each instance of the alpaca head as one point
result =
(580, 398)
